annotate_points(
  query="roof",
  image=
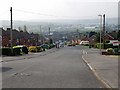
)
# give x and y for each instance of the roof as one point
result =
(110, 37)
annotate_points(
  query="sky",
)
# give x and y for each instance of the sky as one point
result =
(57, 9)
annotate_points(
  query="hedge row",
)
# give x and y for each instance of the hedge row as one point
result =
(14, 51)
(111, 51)
(106, 46)
(9, 51)
(18, 50)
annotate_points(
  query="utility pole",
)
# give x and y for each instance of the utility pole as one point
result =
(11, 36)
(104, 31)
(40, 36)
(100, 26)
(49, 35)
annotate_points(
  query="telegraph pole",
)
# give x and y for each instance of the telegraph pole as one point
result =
(11, 36)
(49, 35)
(40, 36)
(100, 27)
(104, 31)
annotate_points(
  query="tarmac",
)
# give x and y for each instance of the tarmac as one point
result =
(105, 68)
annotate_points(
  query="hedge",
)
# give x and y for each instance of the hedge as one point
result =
(16, 51)
(8, 51)
(116, 51)
(106, 45)
(39, 48)
(23, 49)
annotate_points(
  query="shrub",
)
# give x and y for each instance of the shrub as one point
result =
(23, 49)
(39, 48)
(16, 51)
(110, 51)
(6, 51)
(86, 45)
(106, 45)
(32, 49)
(116, 50)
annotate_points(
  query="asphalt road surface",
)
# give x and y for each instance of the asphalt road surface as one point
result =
(64, 68)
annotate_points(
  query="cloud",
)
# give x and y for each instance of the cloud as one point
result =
(70, 9)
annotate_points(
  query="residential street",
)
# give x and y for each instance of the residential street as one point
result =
(63, 68)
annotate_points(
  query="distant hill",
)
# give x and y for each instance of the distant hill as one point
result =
(34, 25)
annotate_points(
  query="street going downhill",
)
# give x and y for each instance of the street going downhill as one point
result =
(63, 68)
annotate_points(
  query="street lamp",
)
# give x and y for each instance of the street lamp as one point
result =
(11, 35)
(100, 27)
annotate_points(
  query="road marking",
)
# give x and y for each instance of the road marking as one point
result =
(84, 52)
(98, 77)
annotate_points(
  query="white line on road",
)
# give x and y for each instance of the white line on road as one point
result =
(98, 77)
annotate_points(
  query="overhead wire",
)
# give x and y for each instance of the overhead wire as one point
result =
(43, 14)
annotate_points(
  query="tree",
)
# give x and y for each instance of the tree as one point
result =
(20, 30)
(92, 33)
(25, 28)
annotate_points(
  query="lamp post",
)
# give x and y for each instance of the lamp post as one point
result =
(11, 27)
(100, 27)
(49, 35)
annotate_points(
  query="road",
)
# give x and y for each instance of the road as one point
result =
(63, 68)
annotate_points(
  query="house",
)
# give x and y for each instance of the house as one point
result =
(19, 38)
(108, 37)
(113, 34)
(93, 40)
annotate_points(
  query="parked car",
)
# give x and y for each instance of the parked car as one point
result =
(45, 46)
(61, 45)
(71, 44)
(84, 43)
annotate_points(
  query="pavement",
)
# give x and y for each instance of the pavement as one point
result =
(27, 56)
(105, 68)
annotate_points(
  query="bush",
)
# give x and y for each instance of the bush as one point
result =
(106, 45)
(32, 49)
(116, 51)
(110, 51)
(86, 45)
(39, 48)
(6, 51)
(35, 49)
(16, 51)
(23, 49)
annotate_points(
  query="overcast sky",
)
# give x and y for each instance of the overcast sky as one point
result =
(57, 9)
